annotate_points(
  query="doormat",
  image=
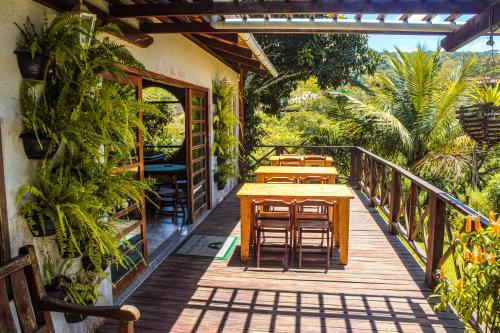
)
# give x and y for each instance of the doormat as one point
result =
(216, 247)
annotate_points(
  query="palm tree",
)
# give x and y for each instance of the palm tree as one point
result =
(410, 113)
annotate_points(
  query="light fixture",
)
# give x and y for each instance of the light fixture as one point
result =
(88, 22)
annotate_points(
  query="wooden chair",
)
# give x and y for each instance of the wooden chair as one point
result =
(315, 160)
(313, 180)
(313, 222)
(33, 306)
(169, 196)
(272, 222)
(280, 180)
(290, 161)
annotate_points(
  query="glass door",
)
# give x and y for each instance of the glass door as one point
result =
(198, 154)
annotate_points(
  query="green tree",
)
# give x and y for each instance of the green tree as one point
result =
(332, 59)
(410, 112)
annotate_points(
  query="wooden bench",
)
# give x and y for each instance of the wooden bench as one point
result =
(33, 305)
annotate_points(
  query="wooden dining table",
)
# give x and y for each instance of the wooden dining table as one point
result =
(275, 160)
(335, 193)
(295, 171)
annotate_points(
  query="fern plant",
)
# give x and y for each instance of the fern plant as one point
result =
(225, 145)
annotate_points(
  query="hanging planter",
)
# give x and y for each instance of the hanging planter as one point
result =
(38, 148)
(219, 180)
(43, 228)
(31, 67)
(481, 122)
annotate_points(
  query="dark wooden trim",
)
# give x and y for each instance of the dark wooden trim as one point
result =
(176, 28)
(296, 7)
(224, 37)
(239, 59)
(4, 218)
(130, 33)
(223, 46)
(213, 53)
(475, 27)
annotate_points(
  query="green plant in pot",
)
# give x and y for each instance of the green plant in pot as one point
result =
(225, 142)
(38, 47)
(80, 287)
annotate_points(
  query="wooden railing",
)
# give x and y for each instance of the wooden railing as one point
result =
(419, 212)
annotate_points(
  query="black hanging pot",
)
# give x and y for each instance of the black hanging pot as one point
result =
(73, 318)
(38, 148)
(221, 184)
(32, 68)
(43, 228)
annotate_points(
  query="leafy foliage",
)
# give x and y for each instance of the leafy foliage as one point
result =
(224, 121)
(476, 295)
(333, 59)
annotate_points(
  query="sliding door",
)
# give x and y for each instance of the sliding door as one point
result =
(198, 154)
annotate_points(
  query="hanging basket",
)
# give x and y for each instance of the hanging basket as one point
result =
(481, 122)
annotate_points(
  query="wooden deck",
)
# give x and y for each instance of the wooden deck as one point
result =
(381, 289)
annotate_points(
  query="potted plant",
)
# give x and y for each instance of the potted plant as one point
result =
(225, 142)
(31, 57)
(37, 121)
(80, 287)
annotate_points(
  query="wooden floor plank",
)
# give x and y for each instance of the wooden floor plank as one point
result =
(382, 288)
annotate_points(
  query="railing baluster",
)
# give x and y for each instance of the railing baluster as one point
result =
(437, 220)
(354, 176)
(394, 200)
(412, 208)
(373, 181)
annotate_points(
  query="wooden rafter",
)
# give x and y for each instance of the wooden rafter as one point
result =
(130, 33)
(475, 27)
(297, 7)
(216, 44)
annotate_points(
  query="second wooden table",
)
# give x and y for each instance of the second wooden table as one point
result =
(295, 171)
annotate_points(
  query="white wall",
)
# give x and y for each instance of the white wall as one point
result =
(170, 55)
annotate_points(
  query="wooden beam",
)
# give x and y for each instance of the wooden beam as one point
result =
(222, 46)
(297, 7)
(130, 33)
(255, 64)
(475, 27)
(428, 17)
(176, 28)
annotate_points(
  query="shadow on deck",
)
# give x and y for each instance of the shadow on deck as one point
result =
(381, 289)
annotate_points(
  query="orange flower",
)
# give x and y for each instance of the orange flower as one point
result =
(477, 223)
(479, 254)
(459, 284)
(441, 274)
(492, 217)
(474, 257)
(468, 224)
(497, 225)
(467, 255)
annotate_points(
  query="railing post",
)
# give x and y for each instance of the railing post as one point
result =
(279, 150)
(412, 210)
(437, 220)
(373, 181)
(354, 177)
(394, 201)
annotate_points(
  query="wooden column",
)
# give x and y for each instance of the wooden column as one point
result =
(241, 109)
(394, 201)
(437, 220)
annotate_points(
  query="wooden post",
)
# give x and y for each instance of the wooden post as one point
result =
(353, 177)
(359, 167)
(394, 201)
(4, 219)
(437, 220)
(242, 120)
(279, 150)
(373, 181)
(125, 327)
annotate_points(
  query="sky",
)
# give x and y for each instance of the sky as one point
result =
(409, 43)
